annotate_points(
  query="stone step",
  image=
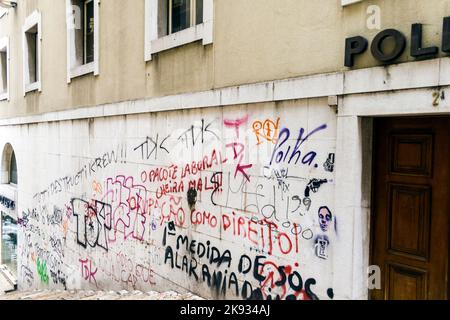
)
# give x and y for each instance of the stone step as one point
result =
(7, 280)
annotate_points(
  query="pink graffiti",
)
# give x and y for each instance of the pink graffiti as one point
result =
(236, 124)
(69, 211)
(238, 149)
(171, 210)
(130, 205)
(121, 269)
(88, 272)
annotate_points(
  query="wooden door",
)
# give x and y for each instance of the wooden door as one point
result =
(410, 217)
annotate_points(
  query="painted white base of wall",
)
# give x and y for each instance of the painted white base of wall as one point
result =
(93, 215)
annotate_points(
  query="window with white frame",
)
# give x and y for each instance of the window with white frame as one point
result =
(173, 23)
(82, 37)
(4, 69)
(183, 14)
(32, 36)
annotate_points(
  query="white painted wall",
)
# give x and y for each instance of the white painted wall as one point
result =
(124, 244)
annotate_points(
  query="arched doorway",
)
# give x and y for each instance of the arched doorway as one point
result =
(8, 209)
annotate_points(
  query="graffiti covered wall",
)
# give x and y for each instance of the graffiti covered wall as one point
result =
(232, 202)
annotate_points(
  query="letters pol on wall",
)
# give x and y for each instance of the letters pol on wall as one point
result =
(355, 46)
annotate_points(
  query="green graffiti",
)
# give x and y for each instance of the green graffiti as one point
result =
(42, 270)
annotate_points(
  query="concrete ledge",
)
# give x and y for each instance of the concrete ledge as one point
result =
(411, 75)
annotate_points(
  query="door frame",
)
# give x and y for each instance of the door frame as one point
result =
(373, 196)
(354, 176)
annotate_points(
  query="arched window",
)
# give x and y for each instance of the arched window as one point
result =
(13, 169)
(8, 209)
(9, 174)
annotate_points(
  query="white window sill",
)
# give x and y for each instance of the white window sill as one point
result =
(349, 2)
(4, 96)
(178, 39)
(82, 70)
(35, 86)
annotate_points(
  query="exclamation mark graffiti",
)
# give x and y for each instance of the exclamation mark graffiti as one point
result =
(123, 154)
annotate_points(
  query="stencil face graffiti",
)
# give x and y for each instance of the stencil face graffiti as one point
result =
(325, 218)
(321, 247)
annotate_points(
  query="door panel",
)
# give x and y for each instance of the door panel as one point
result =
(409, 217)
(412, 154)
(410, 220)
(406, 283)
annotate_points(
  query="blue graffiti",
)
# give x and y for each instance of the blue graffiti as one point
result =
(284, 152)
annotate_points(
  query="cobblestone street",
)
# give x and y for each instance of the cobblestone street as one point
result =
(96, 295)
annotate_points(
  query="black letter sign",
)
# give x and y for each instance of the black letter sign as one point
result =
(400, 44)
(354, 46)
(446, 35)
(416, 43)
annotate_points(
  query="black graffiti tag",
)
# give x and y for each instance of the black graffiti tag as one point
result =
(93, 222)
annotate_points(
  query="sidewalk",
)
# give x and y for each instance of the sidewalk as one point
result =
(96, 295)
(8, 281)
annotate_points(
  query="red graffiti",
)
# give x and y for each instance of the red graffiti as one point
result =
(263, 234)
(260, 234)
(171, 210)
(238, 149)
(204, 218)
(162, 174)
(196, 167)
(236, 123)
(280, 281)
(88, 272)
(194, 175)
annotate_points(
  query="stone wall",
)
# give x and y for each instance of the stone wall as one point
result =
(233, 202)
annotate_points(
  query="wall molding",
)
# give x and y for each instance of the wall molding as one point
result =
(405, 76)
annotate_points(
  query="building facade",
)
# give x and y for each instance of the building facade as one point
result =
(236, 149)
